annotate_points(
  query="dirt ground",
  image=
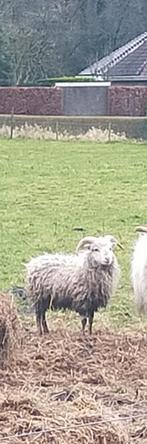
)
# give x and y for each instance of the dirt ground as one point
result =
(67, 388)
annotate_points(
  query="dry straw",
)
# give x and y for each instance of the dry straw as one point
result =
(36, 131)
(66, 388)
(9, 329)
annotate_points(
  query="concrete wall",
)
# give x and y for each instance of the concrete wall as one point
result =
(55, 127)
(82, 101)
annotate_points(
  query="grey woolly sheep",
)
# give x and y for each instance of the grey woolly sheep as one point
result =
(139, 270)
(83, 284)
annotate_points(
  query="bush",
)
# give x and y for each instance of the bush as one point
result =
(53, 80)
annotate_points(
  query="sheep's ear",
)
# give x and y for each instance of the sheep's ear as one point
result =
(113, 241)
(142, 228)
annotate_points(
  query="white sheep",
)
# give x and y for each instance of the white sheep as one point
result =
(139, 270)
(83, 283)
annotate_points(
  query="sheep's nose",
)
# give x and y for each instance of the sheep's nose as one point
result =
(107, 260)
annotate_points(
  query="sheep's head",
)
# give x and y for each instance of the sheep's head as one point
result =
(101, 253)
(108, 240)
(101, 249)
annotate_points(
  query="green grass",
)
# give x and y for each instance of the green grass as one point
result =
(49, 188)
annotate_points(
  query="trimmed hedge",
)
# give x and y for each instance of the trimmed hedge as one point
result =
(127, 100)
(53, 80)
(31, 101)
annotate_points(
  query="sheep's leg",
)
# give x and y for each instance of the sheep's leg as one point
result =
(91, 316)
(84, 322)
(44, 323)
(39, 317)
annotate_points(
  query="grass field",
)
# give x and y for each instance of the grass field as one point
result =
(64, 387)
(50, 188)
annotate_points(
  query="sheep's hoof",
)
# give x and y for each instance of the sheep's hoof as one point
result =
(46, 332)
(39, 330)
(84, 322)
(45, 329)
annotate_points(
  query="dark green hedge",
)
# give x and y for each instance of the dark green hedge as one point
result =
(53, 80)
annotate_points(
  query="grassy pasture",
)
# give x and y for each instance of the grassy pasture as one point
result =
(47, 189)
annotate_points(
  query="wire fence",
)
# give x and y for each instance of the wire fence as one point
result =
(101, 129)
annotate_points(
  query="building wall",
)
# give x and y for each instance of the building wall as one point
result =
(31, 101)
(127, 100)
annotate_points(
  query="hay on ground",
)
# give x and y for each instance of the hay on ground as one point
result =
(70, 389)
(9, 327)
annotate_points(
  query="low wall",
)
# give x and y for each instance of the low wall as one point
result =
(67, 128)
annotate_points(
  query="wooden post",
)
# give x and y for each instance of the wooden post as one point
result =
(109, 132)
(57, 130)
(12, 124)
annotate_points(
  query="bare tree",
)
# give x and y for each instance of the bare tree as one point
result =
(57, 37)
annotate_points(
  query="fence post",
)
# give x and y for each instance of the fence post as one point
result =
(109, 132)
(57, 130)
(12, 124)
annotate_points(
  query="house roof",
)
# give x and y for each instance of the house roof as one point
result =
(128, 61)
